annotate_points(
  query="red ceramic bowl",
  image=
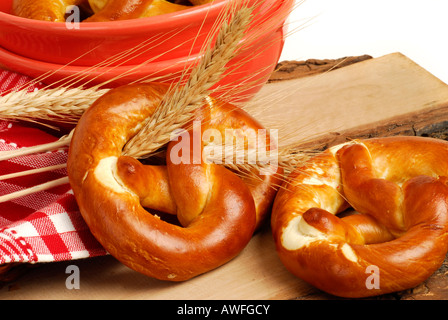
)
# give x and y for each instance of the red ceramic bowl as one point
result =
(166, 44)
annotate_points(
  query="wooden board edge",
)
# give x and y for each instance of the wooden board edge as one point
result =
(431, 123)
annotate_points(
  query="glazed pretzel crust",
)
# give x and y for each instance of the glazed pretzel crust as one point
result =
(218, 211)
(397, 186)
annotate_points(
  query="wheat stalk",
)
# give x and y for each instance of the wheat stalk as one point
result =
(58, 104)
(254, 161)
(176, 110)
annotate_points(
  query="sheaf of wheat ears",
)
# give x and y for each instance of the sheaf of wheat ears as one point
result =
(68, 104)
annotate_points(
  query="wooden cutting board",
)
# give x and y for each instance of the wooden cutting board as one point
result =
(376, 97)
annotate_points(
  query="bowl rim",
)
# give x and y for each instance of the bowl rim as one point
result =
(165, 21)
(18, 59)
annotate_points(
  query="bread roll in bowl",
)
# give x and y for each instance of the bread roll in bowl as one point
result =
(218, 211)
(46, 10)
(399, 234)
(98, 10)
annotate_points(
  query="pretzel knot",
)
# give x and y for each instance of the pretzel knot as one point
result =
(217, 210)
(397, 236)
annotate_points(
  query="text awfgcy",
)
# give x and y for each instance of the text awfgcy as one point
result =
(226, 309)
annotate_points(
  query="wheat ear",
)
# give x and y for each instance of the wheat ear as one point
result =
(176, 110)
(58, 104)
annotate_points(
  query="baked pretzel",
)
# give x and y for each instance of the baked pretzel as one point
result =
(398, 235)
(217, 211)
(98, 10)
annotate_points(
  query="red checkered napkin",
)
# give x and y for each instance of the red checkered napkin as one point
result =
(45, 226)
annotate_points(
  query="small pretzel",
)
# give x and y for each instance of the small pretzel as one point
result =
(217, 210)
(398, 235)
(99, 10)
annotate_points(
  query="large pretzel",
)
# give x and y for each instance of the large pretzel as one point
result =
(398, 187)
(217, 209)
(99, 10)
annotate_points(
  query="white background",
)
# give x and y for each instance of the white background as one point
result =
(330, 29)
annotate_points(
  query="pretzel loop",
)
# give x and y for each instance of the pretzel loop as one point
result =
(217, 210)
(399, 191)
